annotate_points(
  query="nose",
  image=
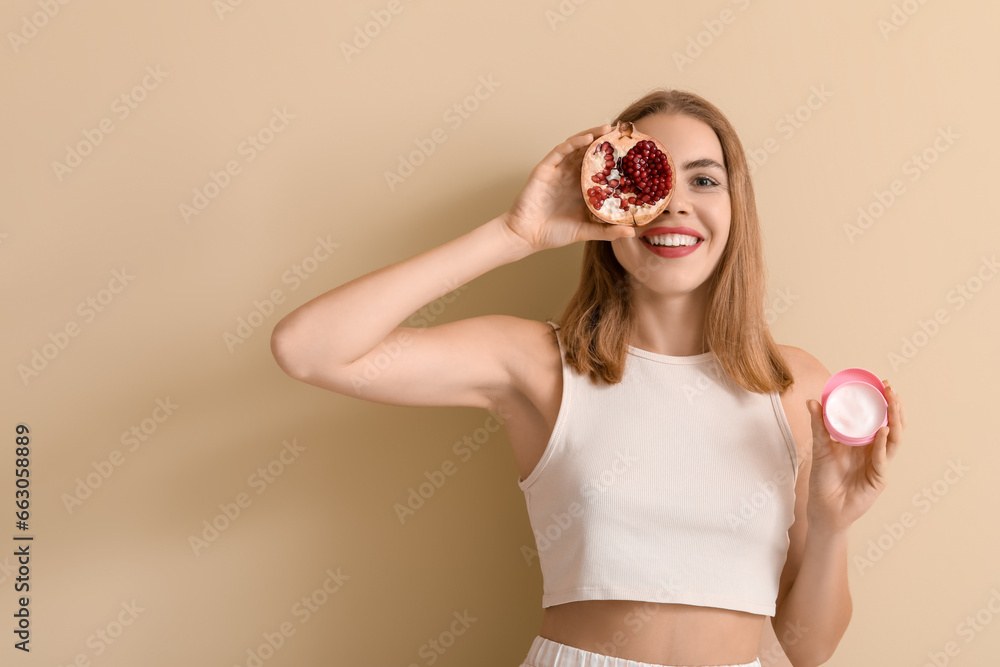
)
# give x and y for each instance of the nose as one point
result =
(679, 203)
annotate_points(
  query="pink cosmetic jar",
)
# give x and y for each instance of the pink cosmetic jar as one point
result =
(854, 406)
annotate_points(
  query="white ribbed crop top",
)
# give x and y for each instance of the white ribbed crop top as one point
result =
(674, 485)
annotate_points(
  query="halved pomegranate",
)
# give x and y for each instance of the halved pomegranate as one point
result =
(627, 177)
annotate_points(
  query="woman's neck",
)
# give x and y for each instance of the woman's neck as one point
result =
(671, 324)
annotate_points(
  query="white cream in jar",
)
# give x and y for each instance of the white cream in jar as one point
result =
(856, 409)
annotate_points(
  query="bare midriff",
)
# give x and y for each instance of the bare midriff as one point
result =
(658, 633)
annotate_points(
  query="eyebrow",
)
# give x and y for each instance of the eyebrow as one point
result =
(705, 162)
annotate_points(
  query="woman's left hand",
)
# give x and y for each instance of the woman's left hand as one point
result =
(845, 480)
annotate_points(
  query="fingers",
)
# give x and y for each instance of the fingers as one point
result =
(612, 232)
(820, 435)
(880, 456)
(890, 390)
(896, 424)
(574, 143)
(596, 131)
(598, 230)
(899, 405)
(815, 414)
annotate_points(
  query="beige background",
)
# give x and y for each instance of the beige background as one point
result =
(556, 69)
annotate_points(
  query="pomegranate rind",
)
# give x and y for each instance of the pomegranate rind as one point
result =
(623, 138)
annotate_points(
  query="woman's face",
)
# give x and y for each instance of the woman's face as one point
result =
(700, 202)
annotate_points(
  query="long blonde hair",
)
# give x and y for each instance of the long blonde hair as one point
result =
(598, 322)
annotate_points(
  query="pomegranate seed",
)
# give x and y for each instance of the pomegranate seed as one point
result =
(613, 182)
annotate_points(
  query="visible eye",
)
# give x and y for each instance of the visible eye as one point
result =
(710, 182)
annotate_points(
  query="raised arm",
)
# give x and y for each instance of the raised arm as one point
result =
(348, 339)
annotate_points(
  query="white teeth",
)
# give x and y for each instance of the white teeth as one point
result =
(672, 240)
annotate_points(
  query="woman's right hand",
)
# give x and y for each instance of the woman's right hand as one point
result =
(550, 211)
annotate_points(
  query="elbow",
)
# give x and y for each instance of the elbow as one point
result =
(282, 349)
(303, 355)
(810, 655)
(811, 662)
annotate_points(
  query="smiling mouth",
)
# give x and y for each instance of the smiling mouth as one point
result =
(671, 240)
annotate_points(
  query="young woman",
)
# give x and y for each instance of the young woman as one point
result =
(679, 479)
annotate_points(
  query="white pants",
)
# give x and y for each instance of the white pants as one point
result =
(547, 653)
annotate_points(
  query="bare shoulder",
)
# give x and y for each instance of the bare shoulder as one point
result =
(534, 351)
(809, 377)
(809, 372)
